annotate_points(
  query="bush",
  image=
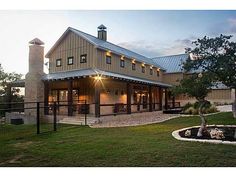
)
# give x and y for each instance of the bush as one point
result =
(186, 106)
(193, 108)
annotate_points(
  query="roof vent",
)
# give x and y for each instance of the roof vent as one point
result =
(102, 32)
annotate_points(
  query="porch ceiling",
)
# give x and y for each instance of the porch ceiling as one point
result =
(94, 72)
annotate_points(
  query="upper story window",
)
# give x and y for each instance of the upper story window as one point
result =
(70, 60)
(143, 69)
(122, 63)
(58, 62)
(133, 66)
(83, 58)
(158, 72)
(108, 59)
(151, 71)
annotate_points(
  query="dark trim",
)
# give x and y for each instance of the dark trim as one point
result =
(68, 58)
(46, 94)
(133, 66)
(108, 59)
(143, 69)
(97, 99)
(122, 63)
(150, 98)
(59, 59)
(84, 55)
(160, 97)
(129, 92)
(151, 71)
(70, 98)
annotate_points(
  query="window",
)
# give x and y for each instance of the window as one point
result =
(108, 59)
(70, 60)
(122, 63)
(133, 66)
(158, 73)
(151, 71)
(58, 62)
(143, 69)
(83, 58)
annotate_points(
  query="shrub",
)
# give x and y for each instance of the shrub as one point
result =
(193, 108)
(186, 106)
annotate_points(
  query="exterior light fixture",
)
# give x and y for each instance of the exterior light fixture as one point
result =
(122, 57)
(133, 61)
(108, 53)
(98, 78)
(158, 69)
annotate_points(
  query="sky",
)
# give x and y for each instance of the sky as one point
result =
(150, 33)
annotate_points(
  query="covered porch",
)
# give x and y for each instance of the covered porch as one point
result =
(100, 93)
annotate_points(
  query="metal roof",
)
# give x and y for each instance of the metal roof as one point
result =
(95, 72)
(105, 45)
(172, 63)
(219, 85)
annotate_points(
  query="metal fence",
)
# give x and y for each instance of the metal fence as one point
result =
(49, 109)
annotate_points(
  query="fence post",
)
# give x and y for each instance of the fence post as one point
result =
(38, 119)
(85, 112)
(54, 116)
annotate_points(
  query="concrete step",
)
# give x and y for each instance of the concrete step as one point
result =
(72, 121)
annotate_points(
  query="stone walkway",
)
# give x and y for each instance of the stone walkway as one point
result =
(224, 108)
(132, 119)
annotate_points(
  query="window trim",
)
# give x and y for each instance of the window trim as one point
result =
(84, 55)
(59, 59)
(122, 61)
(107, 56)
(133, 66)
(151, 71)
(68, 58)
(143, 69)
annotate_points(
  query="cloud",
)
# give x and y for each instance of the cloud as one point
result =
(153, 48)
(226, 27)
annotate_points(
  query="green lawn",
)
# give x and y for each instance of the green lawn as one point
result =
(149, 145)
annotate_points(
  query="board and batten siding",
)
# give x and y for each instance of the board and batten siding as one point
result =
(72, 46)
(127, 70)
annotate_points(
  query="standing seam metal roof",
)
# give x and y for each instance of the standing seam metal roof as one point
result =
(172, 63)
(105, 45)
(94, 72)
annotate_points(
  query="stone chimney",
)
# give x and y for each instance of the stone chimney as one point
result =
(34, 86)
(102, 32)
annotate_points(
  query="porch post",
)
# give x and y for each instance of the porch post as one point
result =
(166, 99)
(8, 99)
(128, 98)
(173, 101)
(69, 97)
(46, 93)
(97, 98)
(160, 97)
(150, 97)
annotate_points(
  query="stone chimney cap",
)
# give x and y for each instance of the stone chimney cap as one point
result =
(102, 27)
(36, 41)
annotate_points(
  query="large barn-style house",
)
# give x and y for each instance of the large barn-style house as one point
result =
(112, 79)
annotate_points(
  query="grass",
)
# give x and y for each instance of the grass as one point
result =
(149, 145)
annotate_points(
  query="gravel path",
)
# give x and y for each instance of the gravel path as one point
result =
(224, 108)
(133, 119)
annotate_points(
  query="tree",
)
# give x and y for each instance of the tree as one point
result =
(6, 78)
(218, 57)
(196, 85)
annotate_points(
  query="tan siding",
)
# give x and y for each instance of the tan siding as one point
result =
(127, 70)
(172, 78)
(72, 45)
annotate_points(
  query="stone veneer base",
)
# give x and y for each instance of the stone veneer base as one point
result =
(176, 135)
